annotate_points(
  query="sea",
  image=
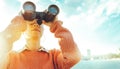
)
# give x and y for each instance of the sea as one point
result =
(98, 64)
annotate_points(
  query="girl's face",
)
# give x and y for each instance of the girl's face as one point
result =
(34, 30)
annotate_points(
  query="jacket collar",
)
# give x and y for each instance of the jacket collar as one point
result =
(41, 49)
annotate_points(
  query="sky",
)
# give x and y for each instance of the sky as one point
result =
(95, 24)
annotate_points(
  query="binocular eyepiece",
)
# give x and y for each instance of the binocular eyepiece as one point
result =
(29, 13)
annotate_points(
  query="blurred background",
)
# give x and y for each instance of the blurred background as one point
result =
(95, 25)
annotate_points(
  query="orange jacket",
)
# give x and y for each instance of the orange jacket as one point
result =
(68, 56)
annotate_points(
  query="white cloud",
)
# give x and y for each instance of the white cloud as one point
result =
(54, 0)
(22, 1)
(2, 4)
(112, 7)
(72, 1)
(5, 18)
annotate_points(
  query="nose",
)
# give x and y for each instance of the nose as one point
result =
(36, 25)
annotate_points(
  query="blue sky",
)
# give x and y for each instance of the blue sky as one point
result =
(95, 24)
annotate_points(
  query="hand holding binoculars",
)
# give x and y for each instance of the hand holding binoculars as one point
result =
(29, 13)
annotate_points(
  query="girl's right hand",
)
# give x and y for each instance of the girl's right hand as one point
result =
(19, 23)
(14, 29)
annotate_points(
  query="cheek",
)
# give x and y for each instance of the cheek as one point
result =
(41, 33)
(41, 29)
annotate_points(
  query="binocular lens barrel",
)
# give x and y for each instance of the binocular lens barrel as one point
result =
(53, 9)
(29, 6)
(29, 13)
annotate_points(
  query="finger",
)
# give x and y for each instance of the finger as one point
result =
(58, 21)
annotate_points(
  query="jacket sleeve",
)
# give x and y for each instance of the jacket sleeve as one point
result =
(70, 53)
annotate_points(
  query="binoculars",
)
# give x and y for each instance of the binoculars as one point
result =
(29, 13)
